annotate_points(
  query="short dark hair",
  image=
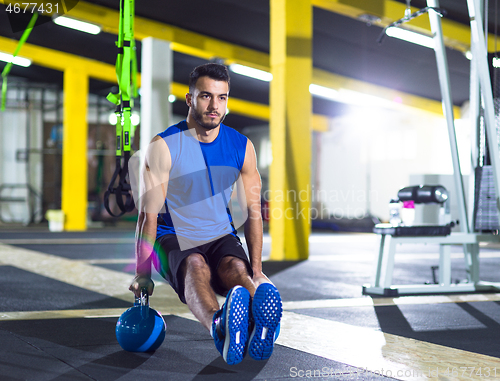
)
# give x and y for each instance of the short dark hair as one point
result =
(214, 71)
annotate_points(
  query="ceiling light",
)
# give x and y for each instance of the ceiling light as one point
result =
(172, 98)
(77, 24)
(15, 60)
(251, 72)
(135, 119)
(353, 97)
(410, 36)
(112, 119)
(496, 62)
(324, 92)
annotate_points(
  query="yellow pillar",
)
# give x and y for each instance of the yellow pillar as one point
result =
(74, 161)
(290, 128)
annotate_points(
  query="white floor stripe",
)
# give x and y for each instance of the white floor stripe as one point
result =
(406, 300)
(400, 257)
(61, 314)
(80, 274)
(107, 261)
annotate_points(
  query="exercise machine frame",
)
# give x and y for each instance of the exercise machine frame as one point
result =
(480, 86)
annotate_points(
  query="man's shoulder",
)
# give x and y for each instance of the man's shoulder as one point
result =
(174, 129)
(233, 134)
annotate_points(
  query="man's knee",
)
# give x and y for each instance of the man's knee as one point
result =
(233, 265)
(196, 264)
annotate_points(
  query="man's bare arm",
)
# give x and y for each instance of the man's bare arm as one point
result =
(153, 189)
(253, 225)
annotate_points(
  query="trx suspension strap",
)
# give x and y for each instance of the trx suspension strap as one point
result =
(126, 72)
(6, 69)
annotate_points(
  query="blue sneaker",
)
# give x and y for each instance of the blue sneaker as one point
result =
(230, 326)
(266, 312)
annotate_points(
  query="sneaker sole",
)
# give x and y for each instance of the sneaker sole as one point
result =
(237, 326)
(267, 310)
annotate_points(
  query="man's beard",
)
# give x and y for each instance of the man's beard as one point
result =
(198, 117)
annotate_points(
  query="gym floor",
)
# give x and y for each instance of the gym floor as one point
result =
(61, 295)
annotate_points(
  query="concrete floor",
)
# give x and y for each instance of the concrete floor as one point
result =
(63, 292)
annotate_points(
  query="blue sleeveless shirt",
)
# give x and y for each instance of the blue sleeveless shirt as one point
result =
(200, 185)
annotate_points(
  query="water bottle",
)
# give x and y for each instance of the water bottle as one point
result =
(394, 216)
(408, 213)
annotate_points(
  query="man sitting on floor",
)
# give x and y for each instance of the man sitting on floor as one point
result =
(189, 174)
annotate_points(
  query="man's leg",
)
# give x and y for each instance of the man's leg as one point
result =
(229, 325)
(198, 292)
(232, 272)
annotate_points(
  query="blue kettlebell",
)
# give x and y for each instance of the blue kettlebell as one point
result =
(141, 328)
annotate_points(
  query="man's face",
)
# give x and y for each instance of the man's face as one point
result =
(208, 102)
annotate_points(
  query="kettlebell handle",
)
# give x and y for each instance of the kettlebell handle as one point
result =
(142, 300)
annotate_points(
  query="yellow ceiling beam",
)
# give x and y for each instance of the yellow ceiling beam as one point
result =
(456, 35)
(60, 61)
(320, 123)
(338, 82)
(182, 40)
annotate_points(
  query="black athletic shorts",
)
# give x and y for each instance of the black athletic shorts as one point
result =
(213, 252)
